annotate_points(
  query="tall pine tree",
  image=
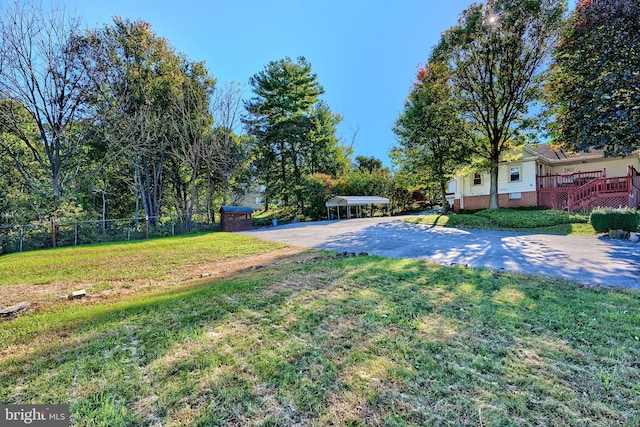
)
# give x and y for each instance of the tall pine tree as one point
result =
(294, 132)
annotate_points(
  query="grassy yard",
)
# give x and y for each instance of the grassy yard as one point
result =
(106, 269)
(321, 340)
(537, 221)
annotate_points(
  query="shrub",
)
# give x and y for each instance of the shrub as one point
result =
(605, 219)
(531, 218)
(468, 211)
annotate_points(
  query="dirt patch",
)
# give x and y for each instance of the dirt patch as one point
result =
(56, 292)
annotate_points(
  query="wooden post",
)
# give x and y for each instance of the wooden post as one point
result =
(53, 232)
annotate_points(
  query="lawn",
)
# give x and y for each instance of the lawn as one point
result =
(322, 340)
(107, 269)
(536, 221)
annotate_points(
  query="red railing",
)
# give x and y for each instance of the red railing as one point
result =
(585, 196)
(586, 190)
(568, 180)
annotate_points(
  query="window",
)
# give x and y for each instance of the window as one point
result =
(515, 196)
(514, 176)
(477, 179)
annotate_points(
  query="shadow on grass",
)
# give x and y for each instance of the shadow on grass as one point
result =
(363, 340)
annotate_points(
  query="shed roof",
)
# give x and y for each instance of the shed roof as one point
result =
(236, 209)
(356, 201)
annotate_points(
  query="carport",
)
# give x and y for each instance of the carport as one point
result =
(353, 201)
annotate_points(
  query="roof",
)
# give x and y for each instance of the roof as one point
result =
(236, 209)
(558, 155)
(357, 201)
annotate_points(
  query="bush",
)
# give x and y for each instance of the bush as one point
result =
(605, 219)
(531, 218)
(469, 211)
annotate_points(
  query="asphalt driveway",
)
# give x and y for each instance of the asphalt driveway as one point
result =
(590, 260)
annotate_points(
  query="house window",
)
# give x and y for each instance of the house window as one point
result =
(477, 179)
(514, 176)
(515, 196)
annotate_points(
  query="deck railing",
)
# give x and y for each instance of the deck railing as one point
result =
(568, 180)
(586, 190)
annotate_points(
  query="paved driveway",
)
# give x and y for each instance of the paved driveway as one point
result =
(589, 260)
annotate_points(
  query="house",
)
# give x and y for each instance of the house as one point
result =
(543, 176)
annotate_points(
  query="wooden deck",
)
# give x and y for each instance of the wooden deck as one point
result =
(588, 190)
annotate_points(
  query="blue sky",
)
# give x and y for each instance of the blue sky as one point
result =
(365, 53)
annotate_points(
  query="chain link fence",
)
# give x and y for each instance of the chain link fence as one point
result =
(24, 237)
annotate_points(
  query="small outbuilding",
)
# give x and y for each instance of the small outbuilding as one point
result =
(348, 202)
(236, 218)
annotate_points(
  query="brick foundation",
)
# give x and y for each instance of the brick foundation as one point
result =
(529, 198)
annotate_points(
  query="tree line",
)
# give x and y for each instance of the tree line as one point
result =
(513, 72)
(114, 122)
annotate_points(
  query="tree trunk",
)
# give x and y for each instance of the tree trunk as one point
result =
(443, 195)
(225, 190)
(493, 191)
(192, 199)
(212, 214)
(283, 168)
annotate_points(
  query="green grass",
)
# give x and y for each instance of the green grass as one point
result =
(151, 260)
(539, 221)
(332, 341)
(283, 215)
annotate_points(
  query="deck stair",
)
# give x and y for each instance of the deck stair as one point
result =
(585, 191)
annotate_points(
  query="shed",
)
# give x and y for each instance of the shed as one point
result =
(236, 218)
(357, 201)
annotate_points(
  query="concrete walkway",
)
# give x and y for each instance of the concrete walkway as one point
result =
(590, 260)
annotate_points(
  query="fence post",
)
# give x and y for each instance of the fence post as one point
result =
(75, 234)
(129, 231)
(21, 237)
(147, 225)
(53, 232)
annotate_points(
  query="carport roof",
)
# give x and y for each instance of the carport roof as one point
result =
(356, 201)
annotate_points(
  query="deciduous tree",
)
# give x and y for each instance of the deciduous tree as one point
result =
(140, 79)
(432, 141)
(367, 164)
(192, 121)
(43, 73)
(497, 53)
(228, 153)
